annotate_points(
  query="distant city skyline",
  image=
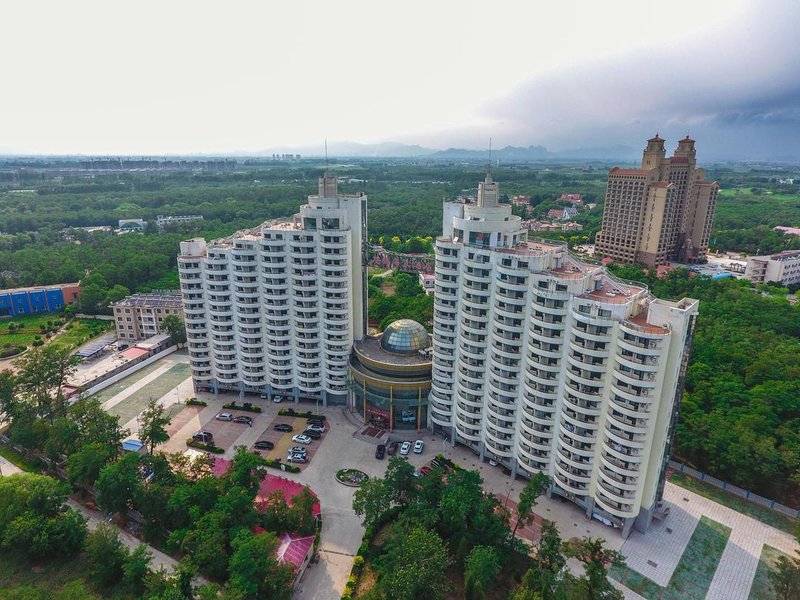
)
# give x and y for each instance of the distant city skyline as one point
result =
(92, 78)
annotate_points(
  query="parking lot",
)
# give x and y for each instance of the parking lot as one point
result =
(229, 434)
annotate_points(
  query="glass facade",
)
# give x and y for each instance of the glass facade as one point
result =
(405, 337)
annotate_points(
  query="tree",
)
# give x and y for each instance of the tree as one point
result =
(107, 556)
(119, 483)
(247, 469)
(253, 569)
(535, 487)
(42, 373)
(91, 298)
(596, 558)
(414, 566)
(173, 325)
(84, 465)
(152, 424)
(33, 518)
(136, 569)
(400, 480)
(116, 293)
(372, 499)
(785, 578)
(482, 566)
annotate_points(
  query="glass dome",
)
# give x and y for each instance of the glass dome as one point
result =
(405, 337)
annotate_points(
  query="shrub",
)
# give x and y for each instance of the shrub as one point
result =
(250, 408)
(207, 447)
(290, 412)
(358, 564)
(277, 464)
(195, 402)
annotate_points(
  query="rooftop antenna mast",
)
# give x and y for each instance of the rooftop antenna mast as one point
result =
(489, 170)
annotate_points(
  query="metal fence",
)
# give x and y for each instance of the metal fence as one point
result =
(735, 490)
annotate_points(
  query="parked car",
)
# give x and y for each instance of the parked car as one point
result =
(380, 451)
(315, 421)
(313, 434)
(315, 427)
(277, 399)
(285, 427)
(264, 445)
(205, 437)
(264, 396)
(425, 470)
(418, 445)
(391, 450)
(296, 458)
(223, 416)
(298, 450)
(244, 419)
(405, 448)
(301, 439)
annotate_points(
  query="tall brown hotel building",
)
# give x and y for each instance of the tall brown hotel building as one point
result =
(659, 213)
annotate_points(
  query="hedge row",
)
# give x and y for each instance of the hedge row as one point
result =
(207, 447)
(290, 412)
(249, 407)
(277, 464)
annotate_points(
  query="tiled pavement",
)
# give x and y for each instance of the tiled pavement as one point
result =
(737, 566)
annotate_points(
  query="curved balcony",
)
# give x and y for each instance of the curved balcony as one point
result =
(612, 507)
(621, 452)
(620, 467)
(620, 481)
(567, 484)
(624, 439)
(468, 433)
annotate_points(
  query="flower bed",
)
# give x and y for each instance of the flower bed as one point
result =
(351, 477)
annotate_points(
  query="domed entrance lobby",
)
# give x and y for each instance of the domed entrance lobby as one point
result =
(390, 377)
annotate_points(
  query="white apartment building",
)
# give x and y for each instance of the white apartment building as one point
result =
(275, 310)
(782, 268)
(545, 363)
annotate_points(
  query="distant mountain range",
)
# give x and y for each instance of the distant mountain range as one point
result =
(509, 153)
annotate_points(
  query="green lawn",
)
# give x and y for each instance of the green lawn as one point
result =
(758, 512)
(134, 404)
(692, 577)
(761, 583)
(53, 579)
(123, 384)
(82, 331)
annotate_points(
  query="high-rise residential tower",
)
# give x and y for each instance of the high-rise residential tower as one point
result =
(275, 310)
(660, 212)
(545, 363)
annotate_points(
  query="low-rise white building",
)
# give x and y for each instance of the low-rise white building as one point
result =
(782, 268)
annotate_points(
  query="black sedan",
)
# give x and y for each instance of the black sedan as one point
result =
(285, 427)
(244, 419)
(314, 435)
(263, 445)
(380, 451)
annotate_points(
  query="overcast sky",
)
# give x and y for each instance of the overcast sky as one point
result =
(170, 76)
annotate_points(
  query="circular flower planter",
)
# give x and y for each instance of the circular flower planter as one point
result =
(351, 477)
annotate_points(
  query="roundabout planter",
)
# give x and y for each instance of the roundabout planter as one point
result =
(351, 477)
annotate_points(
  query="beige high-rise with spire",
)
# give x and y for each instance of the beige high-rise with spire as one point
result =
(660, 212)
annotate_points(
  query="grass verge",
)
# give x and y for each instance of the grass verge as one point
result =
(692, 577)
(760, 589)
(756, 511)
(53, 579)
(15, 457)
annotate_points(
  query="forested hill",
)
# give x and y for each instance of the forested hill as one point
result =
(740, 418)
